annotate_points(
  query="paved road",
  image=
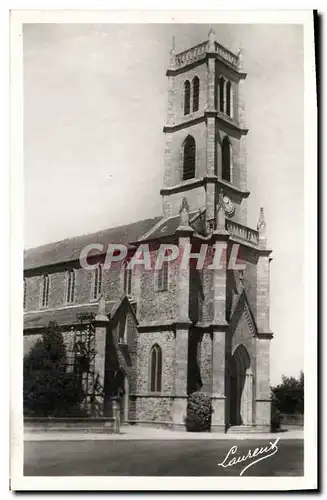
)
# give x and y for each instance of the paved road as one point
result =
(157, 458)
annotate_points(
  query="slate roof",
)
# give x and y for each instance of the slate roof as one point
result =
(168, 226)
(65, 316)
(68, 316)
(69, 249)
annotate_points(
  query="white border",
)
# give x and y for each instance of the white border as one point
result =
(19, 482)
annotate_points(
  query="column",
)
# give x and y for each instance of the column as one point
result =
(211, 174)
(263, 277)
(183, 323)
(181, 353)
(219, 329)
(169, 173)
(240, 115)
(206, 362)
(264, 336)
(240, 103)
(211, 79)
(262, 382)
(101, 327)
(211, 133)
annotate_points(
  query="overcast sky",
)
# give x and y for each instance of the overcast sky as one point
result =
(94, 107)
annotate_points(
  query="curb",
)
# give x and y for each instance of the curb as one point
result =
(150, 436)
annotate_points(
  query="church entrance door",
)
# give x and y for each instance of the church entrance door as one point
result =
(241, 387)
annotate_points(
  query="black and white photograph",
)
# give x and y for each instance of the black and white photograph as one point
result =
(164, 166)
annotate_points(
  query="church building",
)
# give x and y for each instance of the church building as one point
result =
(165, 333)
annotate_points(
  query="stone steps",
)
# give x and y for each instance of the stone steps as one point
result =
(242, 429)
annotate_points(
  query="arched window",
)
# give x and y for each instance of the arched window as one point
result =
(45, 291)
(221, 94)
(162, 277)
(70, 286)
(226, 160)
(25, 289)
(97, 282)
(155, 368)
(187, 97)
(196, 90)
(228, 99)
(127, 280)
(189, 155)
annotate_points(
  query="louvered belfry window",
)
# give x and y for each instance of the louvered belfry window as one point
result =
(187, 97)
(97, 283)
(189, 156)
(25, 293)
(221, 94)
(127, 280)
(226, 160)
(45, 291)
(196, 92)
(70, 294)
(228, 99)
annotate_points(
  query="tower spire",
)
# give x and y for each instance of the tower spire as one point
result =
(184, 213)
(172, 54)
(262, 229)
(240, 56)
(173, 44)
(220, 218)
(211, 40)
(101, 315)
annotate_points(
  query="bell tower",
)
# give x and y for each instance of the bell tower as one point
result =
(205, 132)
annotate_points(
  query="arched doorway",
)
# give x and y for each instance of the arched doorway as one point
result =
(241, 387)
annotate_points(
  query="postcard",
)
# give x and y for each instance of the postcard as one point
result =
(164, 185)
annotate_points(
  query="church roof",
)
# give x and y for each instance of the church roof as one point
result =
(68, 316)
(167, 227)
(65, 316)
(69, 249)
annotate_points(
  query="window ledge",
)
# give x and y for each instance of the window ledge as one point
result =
(182, 186)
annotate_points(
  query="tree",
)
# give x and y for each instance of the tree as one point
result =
(49, 390)
(289, 395)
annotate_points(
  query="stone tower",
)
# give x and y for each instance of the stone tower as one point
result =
(205, 131)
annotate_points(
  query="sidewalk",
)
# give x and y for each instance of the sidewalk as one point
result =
(142, 433)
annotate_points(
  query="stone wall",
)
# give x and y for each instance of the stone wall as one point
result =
(154, 409)
(249, 257)
(196, 198)
(112, 286)
(166, 341)
(174, 153)
(156, 305)
(207, 313)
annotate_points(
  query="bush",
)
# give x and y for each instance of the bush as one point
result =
(275, 419)
(199, 411)
(49, 390)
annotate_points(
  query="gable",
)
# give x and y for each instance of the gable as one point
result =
(242, 325)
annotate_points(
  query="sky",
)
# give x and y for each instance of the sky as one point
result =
(95, 100)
